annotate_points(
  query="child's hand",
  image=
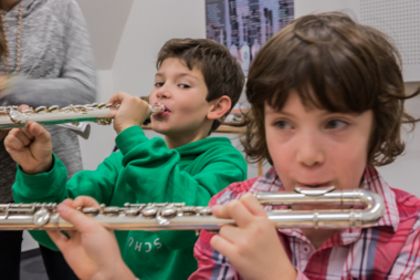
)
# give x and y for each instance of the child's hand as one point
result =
(30, 147)
(253, 246)
(91, 250)
(22, 108)
(131, 111)
(83, 201)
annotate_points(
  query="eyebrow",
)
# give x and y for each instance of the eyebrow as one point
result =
(181, 75)
(272, 111)
(322, 114)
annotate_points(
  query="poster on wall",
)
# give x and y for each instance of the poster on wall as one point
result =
(244, 25)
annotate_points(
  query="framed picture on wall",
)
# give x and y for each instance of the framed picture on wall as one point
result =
(244, 25)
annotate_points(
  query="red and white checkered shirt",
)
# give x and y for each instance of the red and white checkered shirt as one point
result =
(390, 250)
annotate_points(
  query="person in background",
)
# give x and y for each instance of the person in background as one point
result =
(46, 59)
(196, 84)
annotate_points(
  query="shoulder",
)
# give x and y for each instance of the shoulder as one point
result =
(214, 148)
(62, 3)
(233, 191)
(55, 11)
(220, 145)
(54, 5)
(220, 141)
(400, 246)
(115, 156)
(405, 242)
(67, 8)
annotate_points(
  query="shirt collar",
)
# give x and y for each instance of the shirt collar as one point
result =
(373, 182)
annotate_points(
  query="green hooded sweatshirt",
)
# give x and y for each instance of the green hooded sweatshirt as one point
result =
(144, 170)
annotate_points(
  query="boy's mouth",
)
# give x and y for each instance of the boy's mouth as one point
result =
(314, 185)
(162, 108)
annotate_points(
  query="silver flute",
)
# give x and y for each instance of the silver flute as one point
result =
(70, 116)
(354, 208)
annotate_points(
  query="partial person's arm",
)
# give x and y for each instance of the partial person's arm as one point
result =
(77, 82)
(42, 177)
(51, 186)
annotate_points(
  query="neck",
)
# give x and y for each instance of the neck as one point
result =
(7, 5)
(175, 142)
(318, 236)
(177, 139)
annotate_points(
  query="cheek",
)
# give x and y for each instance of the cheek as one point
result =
(280, 154)
(354, 152)
(349, 165)
(284, 170)
(192, 106)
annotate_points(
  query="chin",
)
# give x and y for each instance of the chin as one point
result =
(158, 127)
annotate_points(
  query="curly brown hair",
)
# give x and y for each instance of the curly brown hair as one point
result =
(222, 73)
(3, 44)
(336, 64)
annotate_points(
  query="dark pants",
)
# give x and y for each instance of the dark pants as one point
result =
(10, 247)
(10, 250)
(56, 266)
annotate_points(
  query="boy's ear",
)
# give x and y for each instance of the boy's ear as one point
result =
(219, 107)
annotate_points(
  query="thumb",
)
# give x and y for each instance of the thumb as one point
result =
(38, 131)
(59, 239)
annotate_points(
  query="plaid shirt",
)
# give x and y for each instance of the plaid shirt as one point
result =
(390, 250)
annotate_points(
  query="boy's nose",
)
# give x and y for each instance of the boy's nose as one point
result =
(310, 151)
(162, 93)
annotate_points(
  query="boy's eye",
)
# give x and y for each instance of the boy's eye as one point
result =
(282, 124)
(336, 124)
(158, 84)
(182, 85)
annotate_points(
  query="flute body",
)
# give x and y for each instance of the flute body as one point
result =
(101, 113)
(11, 117)
(177, 216)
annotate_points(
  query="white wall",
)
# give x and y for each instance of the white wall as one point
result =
(149, 26)
(303, 7)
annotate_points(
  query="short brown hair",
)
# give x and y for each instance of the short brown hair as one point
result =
(332, 63)
(222, 73)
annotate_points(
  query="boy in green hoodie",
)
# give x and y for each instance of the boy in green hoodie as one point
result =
(197, 83)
